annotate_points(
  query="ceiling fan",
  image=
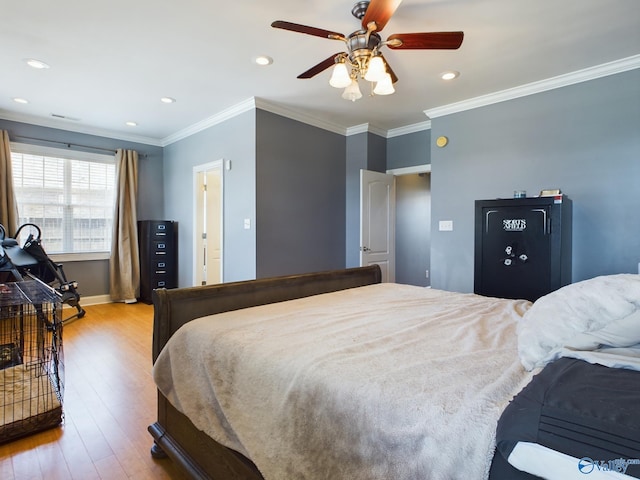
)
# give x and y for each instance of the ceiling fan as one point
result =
(363, 56)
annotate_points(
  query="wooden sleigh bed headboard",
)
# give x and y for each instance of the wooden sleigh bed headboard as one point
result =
(174, 434)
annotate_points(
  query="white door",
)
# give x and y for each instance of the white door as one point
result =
(377, 222)
(207, 250)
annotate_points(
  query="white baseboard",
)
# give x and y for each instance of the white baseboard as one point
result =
(93, 300)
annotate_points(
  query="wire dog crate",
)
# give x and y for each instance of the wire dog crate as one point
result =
(31, 360)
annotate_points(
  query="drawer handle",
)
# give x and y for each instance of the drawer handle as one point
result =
(161, 271)
(162, 284)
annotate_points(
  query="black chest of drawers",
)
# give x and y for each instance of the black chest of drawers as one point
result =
(158, 244)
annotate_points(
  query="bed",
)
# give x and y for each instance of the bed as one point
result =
(337, 375)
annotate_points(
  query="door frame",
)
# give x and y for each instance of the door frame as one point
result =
(426, 168)
(217, 165)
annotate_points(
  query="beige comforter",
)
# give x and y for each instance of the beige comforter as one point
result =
(381, 382)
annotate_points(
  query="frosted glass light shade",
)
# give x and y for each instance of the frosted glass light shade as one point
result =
(376, 70)
(384, 86)
(352, 92)
(340, 77)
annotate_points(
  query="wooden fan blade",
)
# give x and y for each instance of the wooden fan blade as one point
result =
(379, 12)
(323, 65)
(316, 32)
(424, 41)
(390, 71)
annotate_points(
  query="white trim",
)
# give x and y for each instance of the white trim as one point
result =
(416, 127)
(233, 111)
(299, 115)
(579, 76)
(64, 125)
(426, 168)
(78, 257)
(364, 128)
(356, 129)
(92, 300)
(216, 164)
(591, 73)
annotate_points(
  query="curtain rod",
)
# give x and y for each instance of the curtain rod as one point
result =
(67, 144)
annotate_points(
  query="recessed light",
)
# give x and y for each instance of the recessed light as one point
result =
(263, 60)
(168, 100)
(32, 62)
(449, 75)
(20, 100)
(131, 124)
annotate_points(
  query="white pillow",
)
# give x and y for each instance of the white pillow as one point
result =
(582, 316)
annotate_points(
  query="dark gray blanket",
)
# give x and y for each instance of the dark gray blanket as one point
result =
(581, 409)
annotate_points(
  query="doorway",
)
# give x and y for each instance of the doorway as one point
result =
(413, 229)
(409, 236)
(208, 225)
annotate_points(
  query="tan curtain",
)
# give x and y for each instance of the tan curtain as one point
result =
(8, 204)
(124, 264)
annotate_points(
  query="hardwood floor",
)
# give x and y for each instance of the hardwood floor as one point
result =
(109, 401)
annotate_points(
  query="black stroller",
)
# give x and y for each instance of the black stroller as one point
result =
(32, 261)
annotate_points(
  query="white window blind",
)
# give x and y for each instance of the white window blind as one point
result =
(69, 195)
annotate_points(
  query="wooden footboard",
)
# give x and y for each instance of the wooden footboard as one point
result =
(197, 454)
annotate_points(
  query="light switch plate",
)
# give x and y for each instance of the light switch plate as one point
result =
(445, 225)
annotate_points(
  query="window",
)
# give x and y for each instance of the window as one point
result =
(68, 194)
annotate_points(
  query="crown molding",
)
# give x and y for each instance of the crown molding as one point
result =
(606, 69)
(299, 116)
(579, 76)
(416, 127)
(396, 132)
(356, 129)
(365, 128)
(64, 125)
(222, 116)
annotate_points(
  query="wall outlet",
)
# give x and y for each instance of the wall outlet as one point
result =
(426, 273)
(445, 225)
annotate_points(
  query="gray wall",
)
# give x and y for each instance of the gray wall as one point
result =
(582, 138)
(93, 276)
(413, 229)
(234, 140)
(409, 150)
(300, 197)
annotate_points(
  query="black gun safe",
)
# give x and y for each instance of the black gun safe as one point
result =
(522, 246)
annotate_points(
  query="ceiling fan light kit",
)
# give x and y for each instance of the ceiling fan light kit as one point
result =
(363, 59)
(352, 91)
(340, 77)
(376, 69)
(384, 86)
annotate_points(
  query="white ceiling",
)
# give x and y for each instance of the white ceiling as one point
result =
(111, 61)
